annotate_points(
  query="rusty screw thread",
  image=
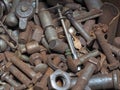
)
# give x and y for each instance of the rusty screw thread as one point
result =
(23, 66)
(19, 75)
(7, 78)
(85, 76)
(106, 49)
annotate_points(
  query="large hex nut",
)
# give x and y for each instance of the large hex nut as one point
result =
(63, 76)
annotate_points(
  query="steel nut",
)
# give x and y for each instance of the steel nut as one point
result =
(61, 76)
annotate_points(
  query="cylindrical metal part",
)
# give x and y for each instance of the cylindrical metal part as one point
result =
(30, 47)
(84, 58)
(50, 34)
(93, 4)
(102, 81)
(58, 46)
(47, 24)
(105, 81)
(45, 18)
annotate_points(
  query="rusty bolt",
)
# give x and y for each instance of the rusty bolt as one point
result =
(18, 74)
(23, 66)
(91, 66)
(7, 78)
(105, 47)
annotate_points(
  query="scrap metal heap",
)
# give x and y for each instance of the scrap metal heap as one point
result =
(59, 45)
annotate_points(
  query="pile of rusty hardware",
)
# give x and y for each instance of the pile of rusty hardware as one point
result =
(59, 45)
